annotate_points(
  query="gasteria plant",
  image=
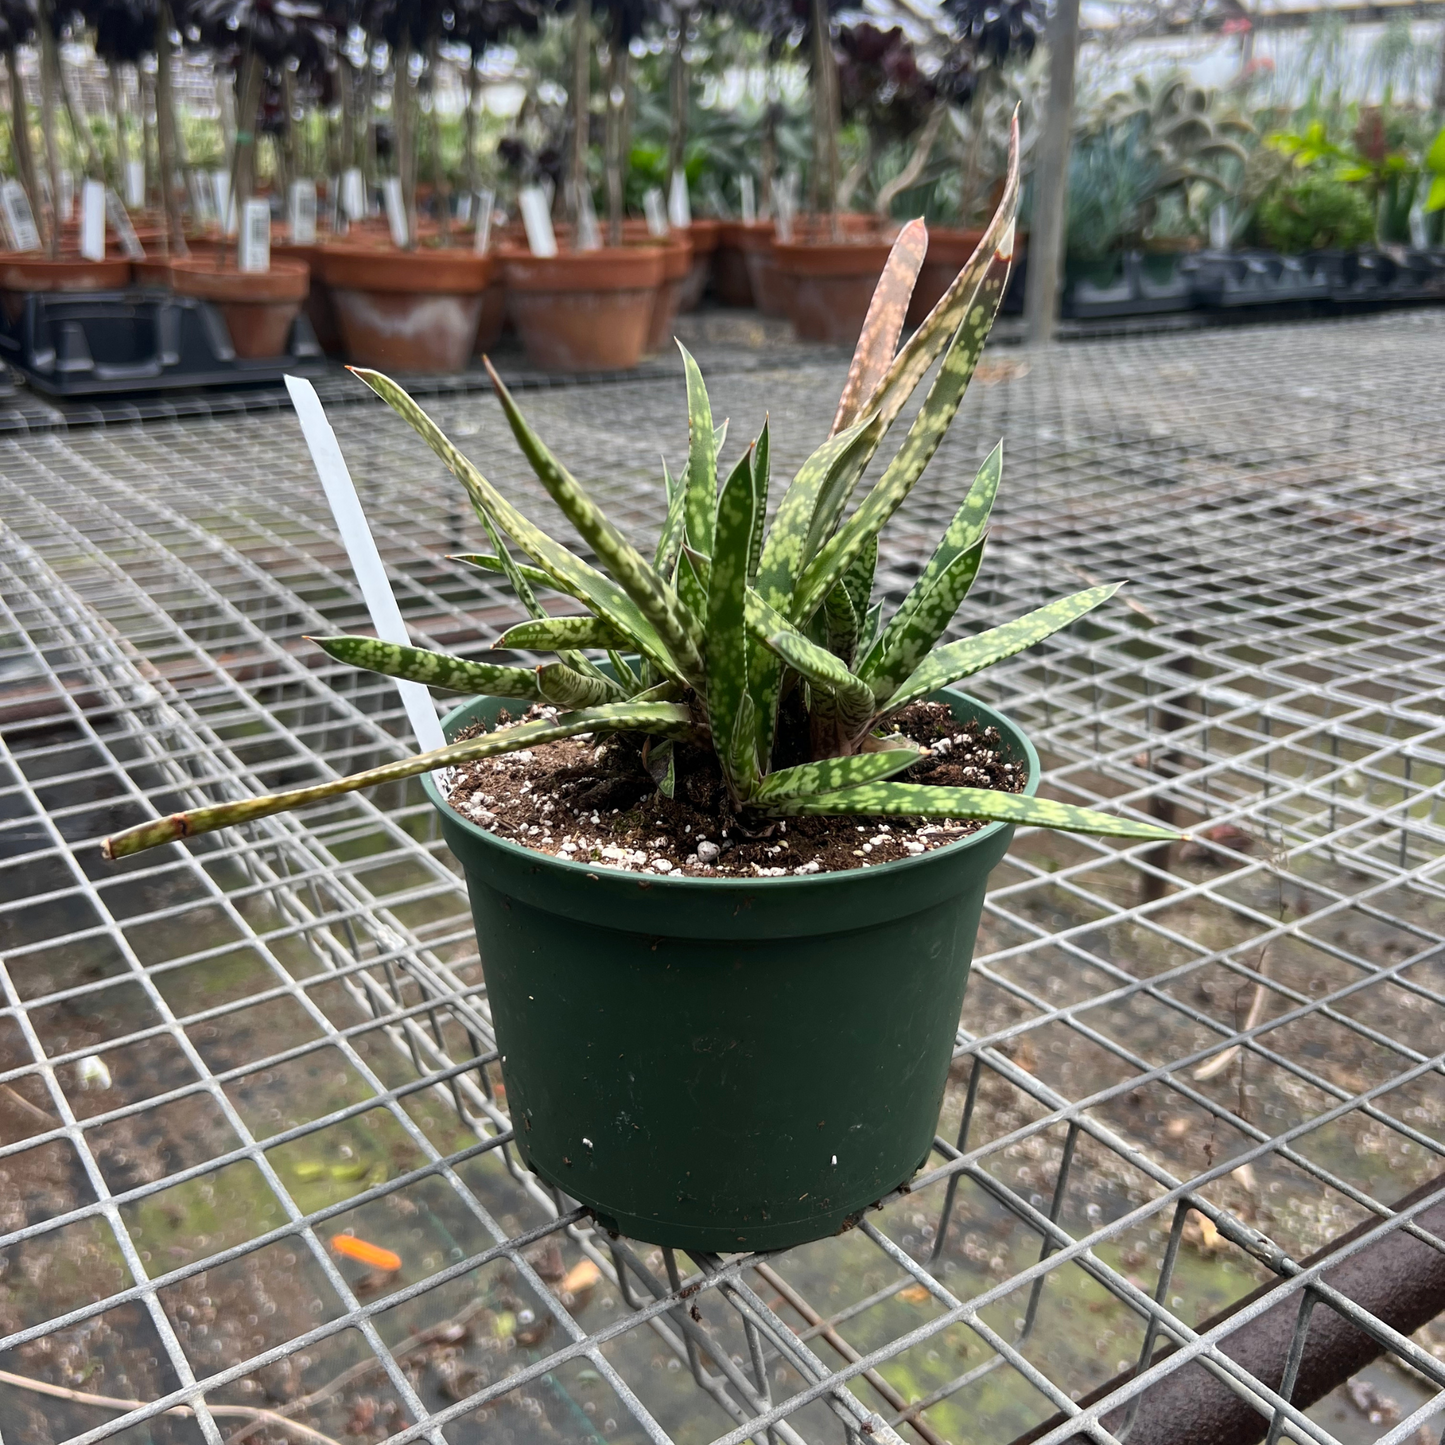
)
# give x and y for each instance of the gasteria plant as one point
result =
(754, 645)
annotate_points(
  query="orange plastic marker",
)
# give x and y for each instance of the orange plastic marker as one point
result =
(372, 1254)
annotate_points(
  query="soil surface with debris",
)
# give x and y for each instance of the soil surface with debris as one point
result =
(601, 805)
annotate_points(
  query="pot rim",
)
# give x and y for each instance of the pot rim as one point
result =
(589, 872)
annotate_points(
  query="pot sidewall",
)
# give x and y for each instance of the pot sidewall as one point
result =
(726, 1064)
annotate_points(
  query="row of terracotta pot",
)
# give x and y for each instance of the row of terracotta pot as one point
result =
(430, 309)
(823, 284)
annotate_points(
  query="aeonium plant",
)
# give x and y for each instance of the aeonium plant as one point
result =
(738, 643)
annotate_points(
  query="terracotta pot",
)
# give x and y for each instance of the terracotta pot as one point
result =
(704, 235)
(730, 279)
(320, 311)
(828, 285)
(949, 250)
(667, 301)
(259, 306)
(584, 310)
(406, 310)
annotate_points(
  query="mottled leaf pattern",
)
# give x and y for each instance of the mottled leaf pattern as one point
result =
(690, 586)
(961, 534)
(927, 431)
(434, 669)
(600, 593)
(824, 671)
(918, 800)
(904, 647)
(551, 634)
(563, 686)
(841, 625)
(701, 479)
(883, 325)
(658, 603)
(670, 720)
(727, 642)
(670, 538)
(827, 775)
(761, 481)
(948, 664)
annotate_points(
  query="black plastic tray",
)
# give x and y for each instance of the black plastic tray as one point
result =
(100, 343)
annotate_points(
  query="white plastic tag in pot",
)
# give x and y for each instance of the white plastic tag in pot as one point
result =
(301, 212)
(589, 233)
(67, 195)
(203, 201)
(254, 252)
(353, 194)
(119, 220)
(537, 218)
(748, 198)
(679, 204)
(1419, 230)
(135, 184)
(482, 237)
(225, 207)
(92, 221)
(655, 212)
(19, 218)
(361, 549)
(464, 208)
(395, 211)
(1219, 228)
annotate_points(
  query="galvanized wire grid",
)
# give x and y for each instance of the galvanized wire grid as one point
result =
(1178, 1070)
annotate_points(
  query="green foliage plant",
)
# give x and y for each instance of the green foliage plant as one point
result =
(1315, 211)
(746, 642)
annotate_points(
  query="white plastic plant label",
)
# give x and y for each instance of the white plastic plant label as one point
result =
(353, 194)
(361, 549)
(486, 206)
(92, 221)
(203, 201)
(679, 204)
(301, 212)
(1419, 228)
(589, 233)
(395, 211)
(748, 200)
(135, 184)
(1219, 228)
(221, 194)
(655, 212)
(537, 219)
(67, 195)
(254, 251)
(119, 221)
(19, 218)
(464, 208)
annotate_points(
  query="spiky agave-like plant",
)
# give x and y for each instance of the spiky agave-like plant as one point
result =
(730, 618)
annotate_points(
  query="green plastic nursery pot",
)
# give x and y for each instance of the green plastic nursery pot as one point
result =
(726, 1064)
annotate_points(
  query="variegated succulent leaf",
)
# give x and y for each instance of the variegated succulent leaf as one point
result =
(554, 634)
(680, 631)
(956, 660)
(836, 555)
(701, 481)
(922, 800)
(727, 638)
(570, 574)
(662, 719)
(853, 699)
(903, 647)
(669, 540)
(432, 669)
(564, 686)
(490, 562)
(761, 482)
(828, 775)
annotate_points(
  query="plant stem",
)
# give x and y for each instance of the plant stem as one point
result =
(441, 184)
(581, 115)
(618, 68)
(20, 141)
(678, 86)
(403, 101)
(826, 118)
(243, 155)
(166, 131)
(474, 92)
(48, 61)
(122, 140)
